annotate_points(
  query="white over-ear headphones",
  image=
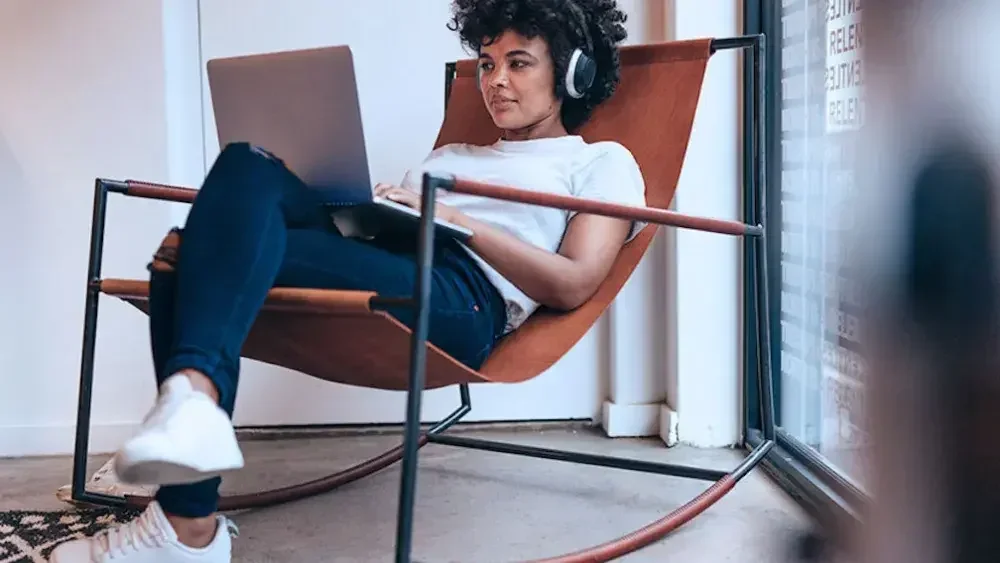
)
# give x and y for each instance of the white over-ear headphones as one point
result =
(580, 74)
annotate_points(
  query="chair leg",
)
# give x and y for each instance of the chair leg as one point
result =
(412, 440)
(764, 376)
(82, 440)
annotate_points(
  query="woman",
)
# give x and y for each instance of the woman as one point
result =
(255, 226)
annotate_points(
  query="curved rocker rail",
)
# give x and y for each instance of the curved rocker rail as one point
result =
(657, 530)
(300, 491)
(417, 380)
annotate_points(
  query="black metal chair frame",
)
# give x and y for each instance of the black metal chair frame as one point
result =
(413, 438)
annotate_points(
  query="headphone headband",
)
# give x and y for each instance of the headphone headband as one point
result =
(581, 69)
(581, 20)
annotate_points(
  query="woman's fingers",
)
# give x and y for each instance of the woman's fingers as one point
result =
(394, 193)
(405, 197)
(397, 194)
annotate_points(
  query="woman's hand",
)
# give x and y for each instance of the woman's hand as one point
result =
(411, 199)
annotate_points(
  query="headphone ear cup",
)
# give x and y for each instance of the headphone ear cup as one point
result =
(580, 74)
(585, 74)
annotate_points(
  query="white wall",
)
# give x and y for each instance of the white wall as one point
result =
(84, 95)
(708, 359)
(679, 315)
(126, 104)
(640, 319)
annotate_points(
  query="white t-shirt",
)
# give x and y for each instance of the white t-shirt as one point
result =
(565, 165)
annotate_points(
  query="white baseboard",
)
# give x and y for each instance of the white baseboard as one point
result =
(668, 426)
(22, 441)
(630, 421)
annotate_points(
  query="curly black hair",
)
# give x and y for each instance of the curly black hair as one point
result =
(558, 23)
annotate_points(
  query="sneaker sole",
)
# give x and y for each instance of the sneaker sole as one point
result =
(162, 472)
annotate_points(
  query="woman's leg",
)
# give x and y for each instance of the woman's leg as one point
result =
(233, 244)
(254, 226)
(189, 507)
(200, 313)
(462, 321)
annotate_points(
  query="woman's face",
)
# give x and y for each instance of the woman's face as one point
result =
(516, 79)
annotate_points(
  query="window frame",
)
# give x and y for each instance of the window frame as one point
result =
(821, 488)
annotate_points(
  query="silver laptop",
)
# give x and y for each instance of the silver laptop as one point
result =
(302, 106)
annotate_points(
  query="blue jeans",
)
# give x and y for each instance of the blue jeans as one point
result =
(253, 226)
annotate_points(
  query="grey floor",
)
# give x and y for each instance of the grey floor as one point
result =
(475, 506)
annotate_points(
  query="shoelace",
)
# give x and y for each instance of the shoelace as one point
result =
(232, 528)
(133, 536)
(142, 531)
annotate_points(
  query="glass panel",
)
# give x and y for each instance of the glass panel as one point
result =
(822, 375)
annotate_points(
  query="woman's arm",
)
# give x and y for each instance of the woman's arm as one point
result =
(563, 280)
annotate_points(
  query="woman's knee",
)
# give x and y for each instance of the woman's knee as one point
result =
(244, 167)
(235, 151)
(232, 161)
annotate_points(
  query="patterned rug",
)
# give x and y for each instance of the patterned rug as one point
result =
(29, 537)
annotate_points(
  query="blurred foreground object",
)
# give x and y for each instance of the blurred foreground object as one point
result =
(928, 248)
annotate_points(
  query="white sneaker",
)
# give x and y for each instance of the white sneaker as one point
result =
(185, 438)
(148, 539)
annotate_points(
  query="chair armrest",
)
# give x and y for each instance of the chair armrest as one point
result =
(288, 299)
(148, 190)
(584, 205)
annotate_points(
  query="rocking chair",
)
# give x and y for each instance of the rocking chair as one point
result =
(651, 114)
